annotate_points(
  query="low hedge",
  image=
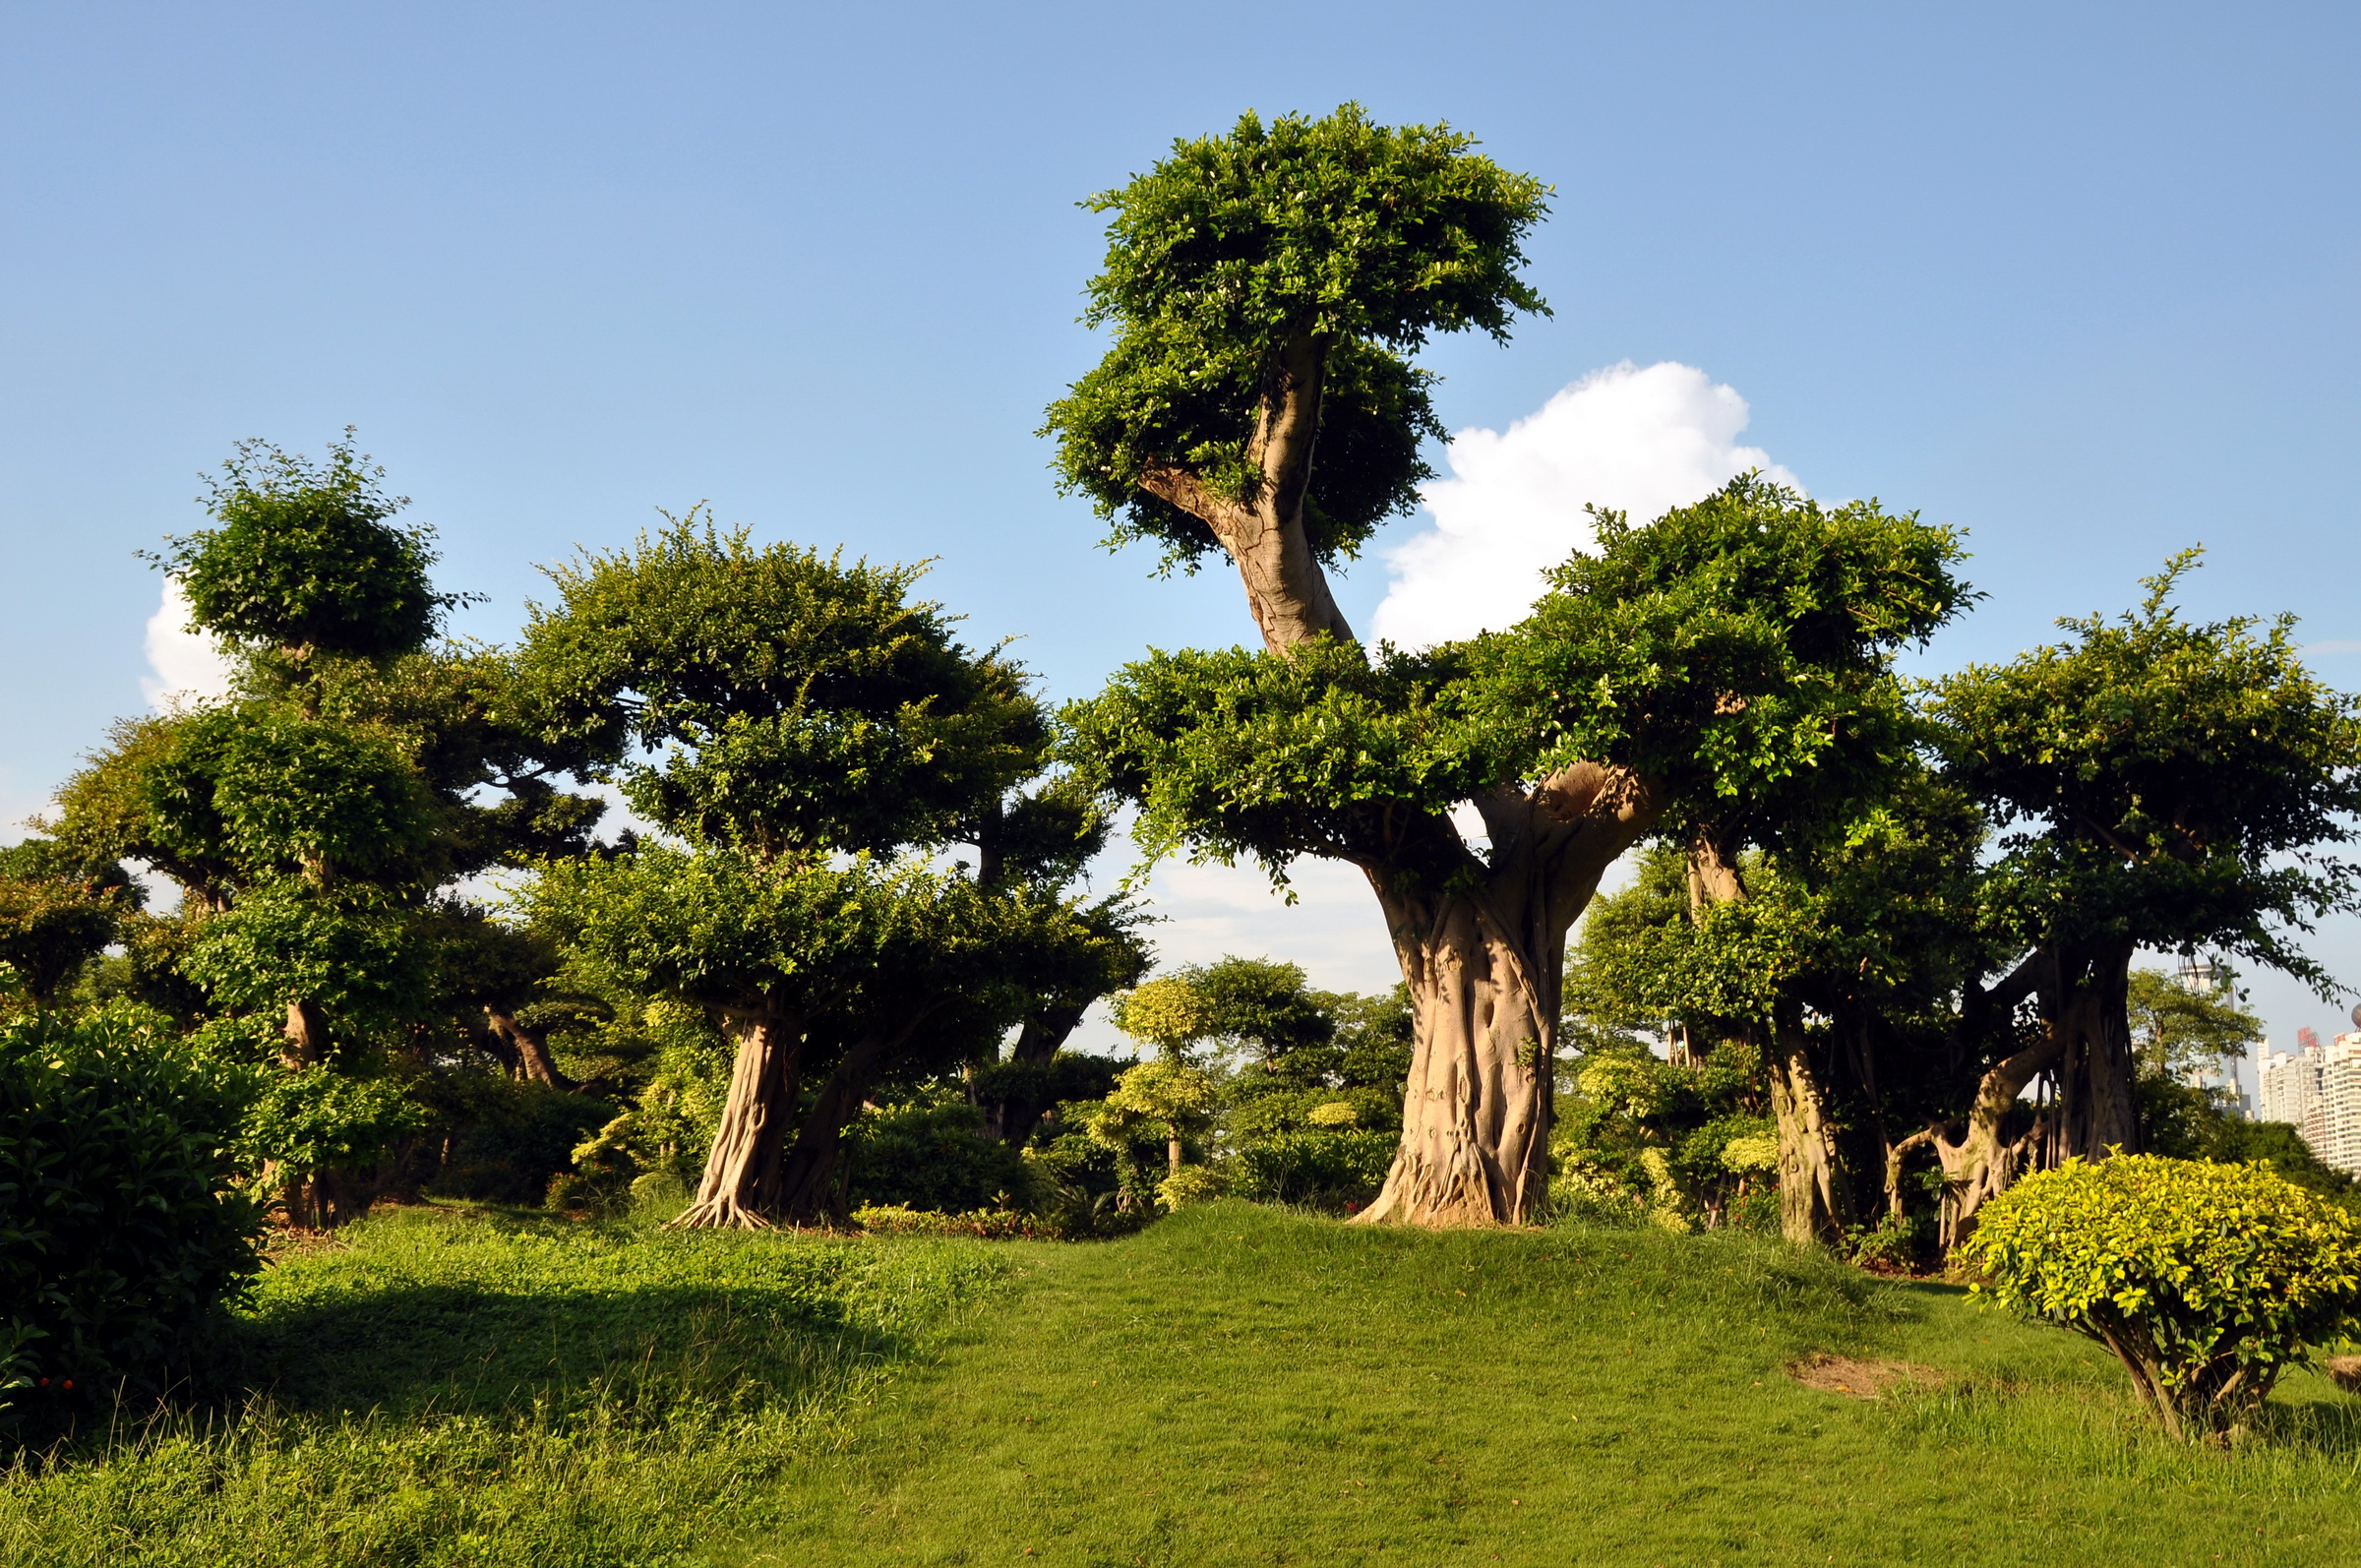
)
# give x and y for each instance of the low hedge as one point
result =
(2207, 1281)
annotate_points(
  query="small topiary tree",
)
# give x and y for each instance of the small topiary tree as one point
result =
(1162, 1095)
(2207, 1281)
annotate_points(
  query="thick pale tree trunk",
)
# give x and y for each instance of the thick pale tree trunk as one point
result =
(1814, 1198)
(1286, 590)
(305, 1033)
(1484, 969)
(742, 1184)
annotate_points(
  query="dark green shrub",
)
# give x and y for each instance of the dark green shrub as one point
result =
(934, 1157)
(120, 1234)
(2205, 1280)
(1891, 1245)
(507, 1140)
(1332, 1168)
(1755, 1212)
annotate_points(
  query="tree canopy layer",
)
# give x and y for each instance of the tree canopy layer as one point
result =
(2160, 783)
(821, 733)
(306, 560)
(1733, 658)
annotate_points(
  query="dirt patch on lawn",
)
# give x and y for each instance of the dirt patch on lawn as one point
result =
(1841, 1374)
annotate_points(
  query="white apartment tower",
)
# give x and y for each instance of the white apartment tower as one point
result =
(2288, 1089)
(2318, 1093)
(2340, 1100)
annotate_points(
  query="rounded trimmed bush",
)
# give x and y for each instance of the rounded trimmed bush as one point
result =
(2207, 1281)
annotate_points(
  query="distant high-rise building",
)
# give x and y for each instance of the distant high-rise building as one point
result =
(2289, 1089)
(2341, 1105)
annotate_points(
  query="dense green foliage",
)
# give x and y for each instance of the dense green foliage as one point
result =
(305, 561)
(1734, 649)
(121, 1237)
(2176, 782)
(1361, 239)
(2207, 1281)
(801, 704)
(57, 913)
(934, 1157)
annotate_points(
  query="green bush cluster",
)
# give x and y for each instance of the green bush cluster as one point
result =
(1687, 1147)
(989, 1225)
(1325, 1167)
(120, 1234)
(2207, 1281)
(934, 1156)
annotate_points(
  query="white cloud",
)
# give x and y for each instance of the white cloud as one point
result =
(182, 663)
(2337, 646)
(1623, 438)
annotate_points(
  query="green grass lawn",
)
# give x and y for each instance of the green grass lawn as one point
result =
(1240, 1386)
(1235, 1385)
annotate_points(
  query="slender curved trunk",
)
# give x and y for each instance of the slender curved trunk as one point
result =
(742, 1184)
(812, 1186)
(1484, 969)
(1897, 1156)
(1012, 1120)
(533, 1060)
(1979, 1166)
(1815, 1191)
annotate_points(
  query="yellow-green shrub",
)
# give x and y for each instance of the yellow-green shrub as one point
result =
(2207, 1281)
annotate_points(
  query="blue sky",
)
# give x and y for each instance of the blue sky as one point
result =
(2078, 278)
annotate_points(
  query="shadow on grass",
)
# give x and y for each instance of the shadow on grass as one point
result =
(463, 1350)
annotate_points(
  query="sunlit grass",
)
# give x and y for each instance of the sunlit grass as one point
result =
(471, 1389)
(1235, 1385)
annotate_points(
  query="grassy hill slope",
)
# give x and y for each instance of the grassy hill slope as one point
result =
(1243, 1386)
(1235, 1385)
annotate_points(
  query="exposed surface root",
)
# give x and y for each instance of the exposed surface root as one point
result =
(1841, 1374)
(717, 1214)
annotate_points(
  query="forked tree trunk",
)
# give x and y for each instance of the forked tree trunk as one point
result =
(742, 1184)
(1484, 970)
(1979, 1166)
(1814, 1198)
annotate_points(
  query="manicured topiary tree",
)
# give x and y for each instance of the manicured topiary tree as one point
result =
(2207, 1281)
